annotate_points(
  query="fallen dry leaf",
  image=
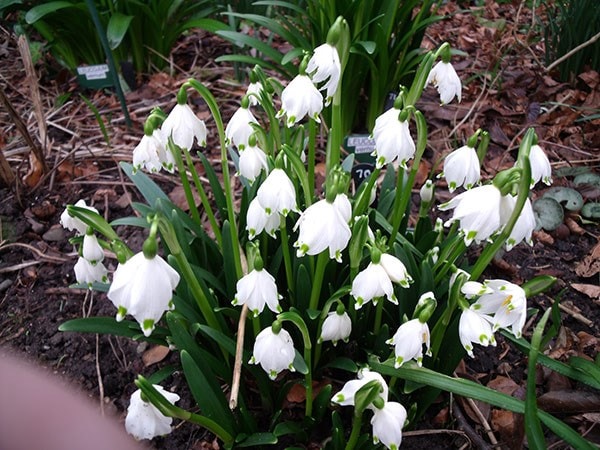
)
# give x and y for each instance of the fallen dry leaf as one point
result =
(590, 265)
(569, 402)
(507, 426)
(591, 290)
(503, 384)
(155, 355)
(177, 196)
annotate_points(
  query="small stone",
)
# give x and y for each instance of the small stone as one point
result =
(55, 233)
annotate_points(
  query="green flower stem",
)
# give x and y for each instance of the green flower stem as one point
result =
(524, 185)
(170, 238)
(416, 89)
(355, 434)
(439, 329)
(203, 198)
(535, 435)
(365, 194)
(214, 109)
(336, 137)
(170, 410)
(287, 259)
(458, 249)
(312, 137)
(185, 182)
(319, 273)
(406, 193)
(378, 315)
(297, 320)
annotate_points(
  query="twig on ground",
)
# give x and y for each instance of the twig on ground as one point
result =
(574, 314)
(239, 350)
(468, 429)
(566, 56)
(99, 376)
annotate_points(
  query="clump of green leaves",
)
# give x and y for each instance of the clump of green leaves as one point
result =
(570, 24)
(383, 51)
(141, 32)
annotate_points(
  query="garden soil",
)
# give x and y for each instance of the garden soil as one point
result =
(506, 90)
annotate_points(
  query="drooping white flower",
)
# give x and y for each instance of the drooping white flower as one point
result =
(143, 287)
(477, 211)
(73, 223)
(324, 225)
(408, 341)
(277, 193)
(257, 289)
(525, 224)
(252, 161)
(540, 166)
(325, 65)
(273, 351)
(300, 98)
(461, 168)
(392, 139)
(336, 327)
(183, 126)
(387, 424)
(474, 289)
(445, 79)
(507, 304)
(144, 420)
(475, 327)
(254, 91)
(346, 396)
(370, 284)
(88, 273)
(91, 249)
(239, 128)
(395, 269)
(258, 220)
(151, 153)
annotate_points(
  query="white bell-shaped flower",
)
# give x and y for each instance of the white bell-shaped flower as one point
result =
(91, 249)
(143, 287)
(446, 80)
(144, 420)
(395, 269)
(336, 327)
(507, 304)
(346, 396)
(258, 220)
(393, 141)
(183, 126)
(274, 351)
(540, 166)
(324, 65)
(474, 289)
(73, 223)
(277, 193)
(239, 127)
(254, 91)
(324, 225)
(387, 424)
(300, 98)
(408, 341)
(525, 224)
(461, 168)
(256, 290)
(252, 162)
(88, 273)
(474, 327)
(477, 211)
(151, 153)
(370, 284)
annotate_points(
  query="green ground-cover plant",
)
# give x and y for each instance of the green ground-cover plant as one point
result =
(142, 32)
(382, 52)
(569, 24)
(289, 283)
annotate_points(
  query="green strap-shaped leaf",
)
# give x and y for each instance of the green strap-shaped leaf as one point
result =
(207, 392)
(470, 389)
(116, 29)
(109, 325)
(39, 11)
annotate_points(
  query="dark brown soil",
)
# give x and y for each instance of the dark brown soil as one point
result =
(36, 258)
